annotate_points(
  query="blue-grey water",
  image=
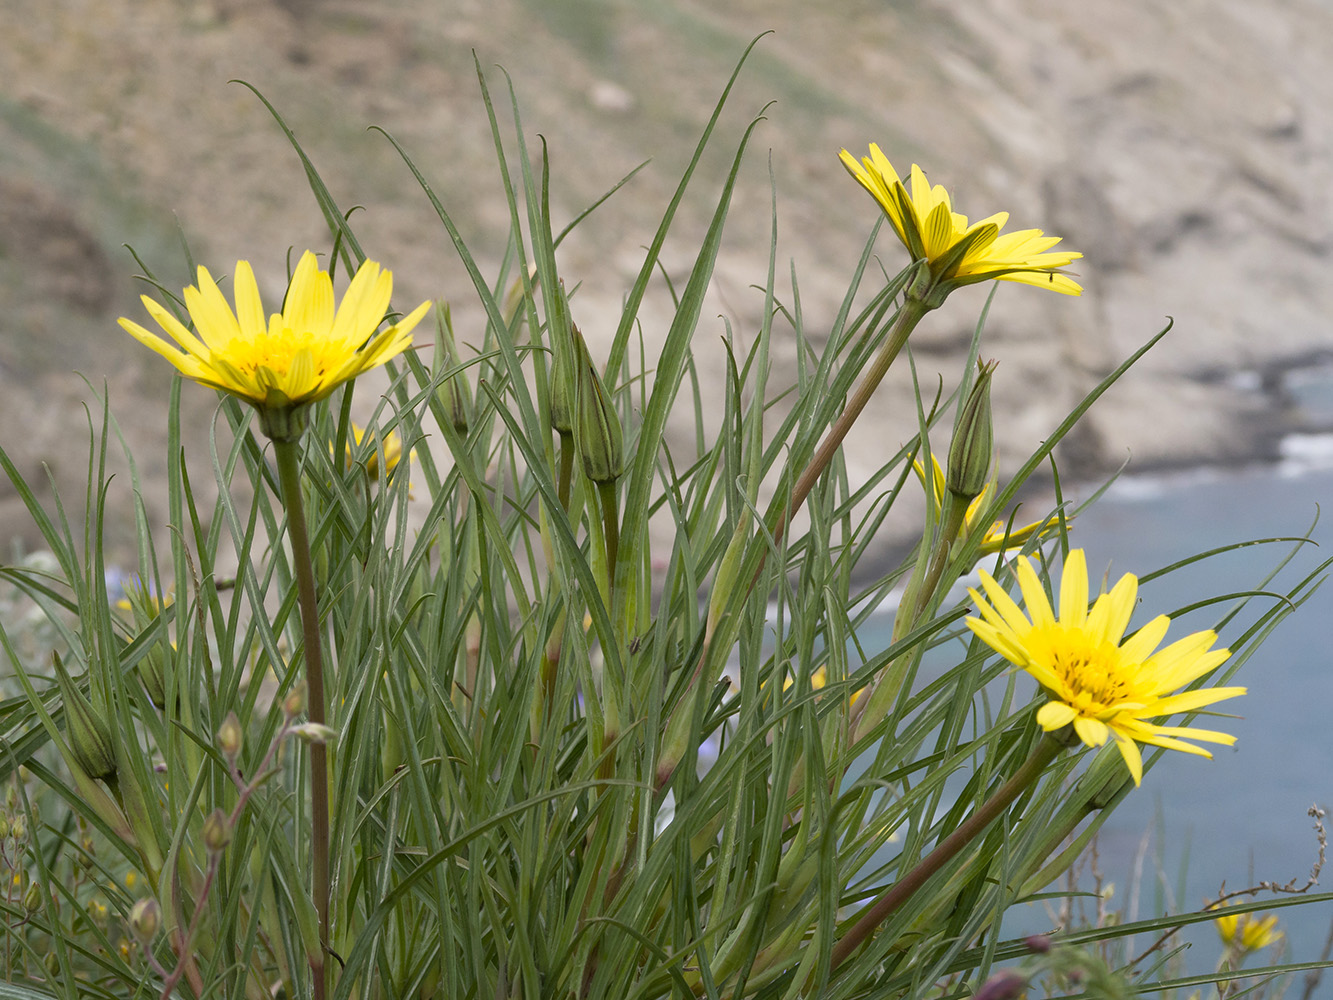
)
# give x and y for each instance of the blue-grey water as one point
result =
(1241, 817)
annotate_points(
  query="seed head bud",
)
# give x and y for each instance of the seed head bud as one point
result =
(973, 446)
(145, 919)
(229, 736)
(601, 443)
(217, 831)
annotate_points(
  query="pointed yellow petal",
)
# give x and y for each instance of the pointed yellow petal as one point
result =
(1133, 759)
(1034, 595)
(1074, 590)
(1055, 715)
(249, 308)
(1093, 732)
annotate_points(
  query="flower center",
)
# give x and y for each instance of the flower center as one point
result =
(1093, 672)
(274, 350)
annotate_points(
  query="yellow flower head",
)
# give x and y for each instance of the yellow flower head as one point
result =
(299, 356)
(958, 253)
(995, 539)
(1094, 680)
(1244, 932)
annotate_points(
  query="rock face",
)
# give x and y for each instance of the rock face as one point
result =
(1182, 147)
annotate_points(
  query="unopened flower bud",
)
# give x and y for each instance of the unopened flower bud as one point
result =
(145, 919)
(217, 831)
(973, 446)
(564, 383)
(453, 392)
(601, 443)
(18, 827)
(315, 732)
(1038, 944)
(32, 899)
(153, 674)
(89, 736)
(96, 912)
(229, 736)
(295, 702)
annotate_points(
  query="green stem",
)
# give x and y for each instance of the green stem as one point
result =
(1046, 751)
(908, 317)
(611, 530)
(919, 600)
(289, 471)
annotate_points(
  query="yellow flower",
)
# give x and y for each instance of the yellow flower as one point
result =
(1099, 684)
(300, 356)
(958, 253)
(393, 451)
(1243, 932)
(995, 539)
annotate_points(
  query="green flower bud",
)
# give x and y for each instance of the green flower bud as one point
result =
(153, 675)
(89, 735)
(146, 606)
(32, 899)
(229, 736)
(564, 384)
(601, 444)
(454, 393)
(18, 827)
(97, 912)
(145, 919)
(217, 831)
(972, 449)
(295, 702)
(315, 732)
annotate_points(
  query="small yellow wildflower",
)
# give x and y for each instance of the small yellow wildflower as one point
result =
(393, 451)
(1099, 684)
(959, 253)
(299, 356)
(995, 539)
(1245, 932)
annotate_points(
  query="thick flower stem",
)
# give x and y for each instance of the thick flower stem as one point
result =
(289, 471)
(908, 317)
(1046, 751)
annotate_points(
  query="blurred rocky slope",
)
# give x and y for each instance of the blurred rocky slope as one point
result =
(1182, 147)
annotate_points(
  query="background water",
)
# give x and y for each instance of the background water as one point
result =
(1240, 818)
